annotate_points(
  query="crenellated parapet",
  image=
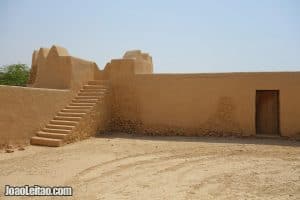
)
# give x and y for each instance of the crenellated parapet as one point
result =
(142, 61)
(132, 62)
(138, 55)
(48, 67)
(56, 68)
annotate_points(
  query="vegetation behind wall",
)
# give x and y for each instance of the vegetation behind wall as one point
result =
(16, 74)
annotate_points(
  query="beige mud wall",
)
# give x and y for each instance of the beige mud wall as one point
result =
(55, 68)
(142, 61)
(24, 111)
(133, 62)
(121, 73)
(201, 104)
(55, 79)
(82, 71)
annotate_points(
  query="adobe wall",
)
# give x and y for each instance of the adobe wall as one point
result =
(55, 79)
(141, 102)
(82, 71)
(55, 68)
(120, 73)
(202, 104)
(24, 111)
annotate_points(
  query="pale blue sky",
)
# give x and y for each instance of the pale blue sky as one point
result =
(182, 36)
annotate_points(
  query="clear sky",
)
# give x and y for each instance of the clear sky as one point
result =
(182, 36)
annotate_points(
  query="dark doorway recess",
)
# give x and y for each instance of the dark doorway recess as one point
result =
(267, 112)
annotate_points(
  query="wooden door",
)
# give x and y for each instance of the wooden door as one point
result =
(267, 112)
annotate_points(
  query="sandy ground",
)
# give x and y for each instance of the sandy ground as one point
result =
(125, 167)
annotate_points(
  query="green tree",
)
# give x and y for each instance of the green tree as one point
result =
(16, 74)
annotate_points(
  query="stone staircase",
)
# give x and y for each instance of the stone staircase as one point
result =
(60, 128)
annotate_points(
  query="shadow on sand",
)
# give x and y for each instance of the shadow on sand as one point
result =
(279, 141)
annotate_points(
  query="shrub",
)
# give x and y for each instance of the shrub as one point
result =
(16, 74)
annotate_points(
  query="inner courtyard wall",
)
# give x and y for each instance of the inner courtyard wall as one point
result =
(202, 104)
(54, 80)
(24, 111)
(141, 102)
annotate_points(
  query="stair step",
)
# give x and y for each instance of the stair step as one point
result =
(98, 82)
(94, 86)
(75, 119)
(46, 141)
(97, 94)
(66, 114)
(61, 122)
(79, 107)
(74, 110)
(82, 104)
(51, 135)
(56, 126)
(85, 100)
(94, 90)
(54, 133)
(87, 97)
(51, 130)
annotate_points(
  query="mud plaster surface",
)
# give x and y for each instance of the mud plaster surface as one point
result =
(221, 123)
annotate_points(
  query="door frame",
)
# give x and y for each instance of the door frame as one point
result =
(278, 111)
